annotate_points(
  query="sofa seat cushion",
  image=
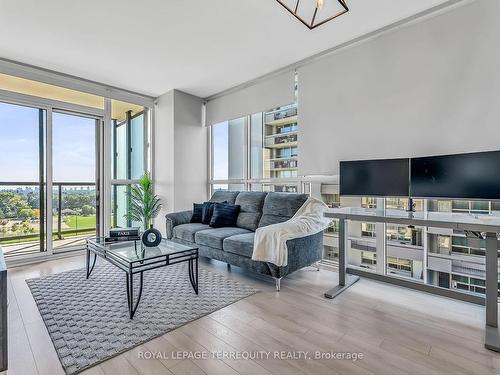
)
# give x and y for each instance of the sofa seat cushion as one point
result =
(251, 209)
(241, 244)
(280, 207)
(186, 232)
(215, 237)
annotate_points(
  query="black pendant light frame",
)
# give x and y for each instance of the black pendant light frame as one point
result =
(312, 25)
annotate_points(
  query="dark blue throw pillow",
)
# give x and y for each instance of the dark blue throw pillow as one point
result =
(224, 215)
(197, 213)
(207, 211)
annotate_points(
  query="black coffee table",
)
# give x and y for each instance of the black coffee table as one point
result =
(133, 258)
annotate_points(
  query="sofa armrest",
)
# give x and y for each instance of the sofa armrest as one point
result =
(302, 252)
(176, 218)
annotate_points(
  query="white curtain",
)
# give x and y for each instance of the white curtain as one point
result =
(263, 95)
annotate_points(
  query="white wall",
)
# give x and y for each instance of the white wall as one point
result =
(163, 155)
(190, 152)
(180, 153)
(431, 87)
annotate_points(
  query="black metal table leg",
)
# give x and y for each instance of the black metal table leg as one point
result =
(193, 273)
(130, 293)
(89, 271)
(87, 259)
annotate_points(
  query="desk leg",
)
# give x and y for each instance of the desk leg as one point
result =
(492, 335)
(345, 281)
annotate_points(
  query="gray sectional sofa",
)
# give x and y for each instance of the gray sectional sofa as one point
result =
(234, 245)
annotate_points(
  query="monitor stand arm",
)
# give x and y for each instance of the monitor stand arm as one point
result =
(411, 205)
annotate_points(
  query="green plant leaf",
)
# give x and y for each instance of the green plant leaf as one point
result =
(143, 204)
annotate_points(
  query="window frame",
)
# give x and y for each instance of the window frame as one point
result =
(147, 155)
(248, 181)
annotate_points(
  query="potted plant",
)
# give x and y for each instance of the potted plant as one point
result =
(144, 207)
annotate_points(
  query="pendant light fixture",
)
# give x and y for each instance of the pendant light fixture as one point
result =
(314, 13)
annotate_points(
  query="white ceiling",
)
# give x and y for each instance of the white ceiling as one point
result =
(198, 46)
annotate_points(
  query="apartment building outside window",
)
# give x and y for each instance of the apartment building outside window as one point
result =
(329, 194)
(435, 256)
(257, 152)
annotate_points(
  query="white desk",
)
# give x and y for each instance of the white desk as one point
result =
(482, 223)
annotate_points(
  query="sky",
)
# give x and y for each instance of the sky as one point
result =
(220, 144)
(73, 146)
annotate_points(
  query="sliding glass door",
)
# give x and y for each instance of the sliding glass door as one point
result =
(22, 179)
(49, 174)
(75, 205)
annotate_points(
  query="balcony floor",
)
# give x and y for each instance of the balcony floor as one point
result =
(400, 331)
(34, 246)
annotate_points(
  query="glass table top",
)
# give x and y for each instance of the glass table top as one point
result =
(133, 251)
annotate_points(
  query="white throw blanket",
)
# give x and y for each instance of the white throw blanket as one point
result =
(270, 241)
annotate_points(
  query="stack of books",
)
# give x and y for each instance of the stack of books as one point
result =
(123, 234)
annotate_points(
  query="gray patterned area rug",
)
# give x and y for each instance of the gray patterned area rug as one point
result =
(88, 320)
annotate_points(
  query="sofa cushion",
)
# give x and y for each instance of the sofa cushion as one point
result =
(186, 232)
(241, 244)
(279, 207)
(222, 196)
(224, 215)
(215, 237)
(251, 204)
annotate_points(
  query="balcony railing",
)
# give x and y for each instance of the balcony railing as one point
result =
(23, 219)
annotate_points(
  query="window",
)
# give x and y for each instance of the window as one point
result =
(368, 202)
(128, 139)
(22, 179)
(331, 253)
(468, 284)
(43, 214)
(368, 258)
(368, 230)
(403, 234)
(331, 200)
(402, 204)
(444, 243)
(464, 206)
(129, 125)
(253, 150)
(460, 245)
(228, 140)
(400, 267)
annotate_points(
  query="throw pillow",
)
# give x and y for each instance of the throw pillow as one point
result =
(207, 211)
(197, 213)
(224, 215)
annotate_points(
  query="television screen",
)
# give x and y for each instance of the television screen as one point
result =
(387, 177)
(463, 176)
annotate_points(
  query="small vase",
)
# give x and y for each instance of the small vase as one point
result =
(151, 237)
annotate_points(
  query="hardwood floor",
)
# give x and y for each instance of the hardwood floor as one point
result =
(399, 331)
